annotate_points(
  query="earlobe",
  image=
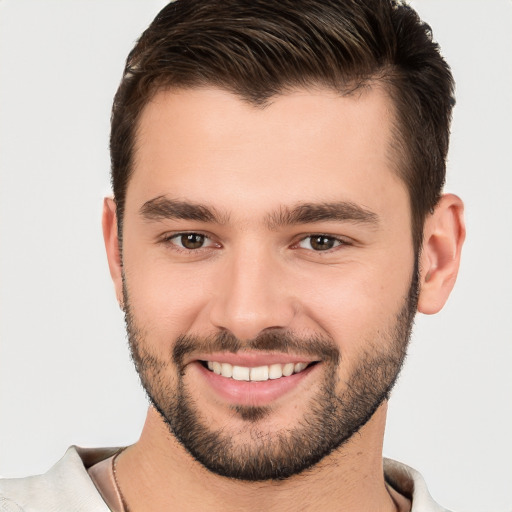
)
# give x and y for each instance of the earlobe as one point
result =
(443, 236)
(110, 236)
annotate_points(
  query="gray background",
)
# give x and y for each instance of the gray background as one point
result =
(65, 374)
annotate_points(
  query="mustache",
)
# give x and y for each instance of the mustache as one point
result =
(273, 340)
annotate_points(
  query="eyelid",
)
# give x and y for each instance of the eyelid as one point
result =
(168, 238)
(343, 241)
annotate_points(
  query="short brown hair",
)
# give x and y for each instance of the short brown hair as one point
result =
(261, 48)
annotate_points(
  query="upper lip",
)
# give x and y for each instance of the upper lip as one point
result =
(253, 359)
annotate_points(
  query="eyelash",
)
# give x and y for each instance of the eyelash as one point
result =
(170, 240)
(338, 241)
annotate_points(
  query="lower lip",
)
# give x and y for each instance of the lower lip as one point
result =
(240, 392)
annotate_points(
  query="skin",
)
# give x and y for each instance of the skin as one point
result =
(206, 146)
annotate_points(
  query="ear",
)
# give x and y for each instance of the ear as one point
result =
(443, 235)
(111, 238)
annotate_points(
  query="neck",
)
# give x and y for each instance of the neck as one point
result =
(157, 471)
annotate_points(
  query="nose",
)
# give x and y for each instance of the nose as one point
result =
(252, 295)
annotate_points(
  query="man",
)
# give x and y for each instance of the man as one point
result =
(277, 221)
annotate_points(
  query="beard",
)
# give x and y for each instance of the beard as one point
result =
(332, 415)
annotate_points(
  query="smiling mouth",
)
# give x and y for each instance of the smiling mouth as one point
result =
(258, 373)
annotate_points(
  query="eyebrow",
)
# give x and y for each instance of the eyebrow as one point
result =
(309, 213)
(161, 208)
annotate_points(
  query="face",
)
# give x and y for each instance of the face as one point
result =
(269, 276)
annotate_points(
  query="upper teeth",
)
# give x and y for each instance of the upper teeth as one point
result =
(260, 373)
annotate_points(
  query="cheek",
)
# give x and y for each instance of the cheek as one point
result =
(359, 303)
(165, 300)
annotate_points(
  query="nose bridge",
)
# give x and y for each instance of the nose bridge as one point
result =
(251, 295)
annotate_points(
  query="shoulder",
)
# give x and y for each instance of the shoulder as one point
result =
(409, 483)
(67, 484)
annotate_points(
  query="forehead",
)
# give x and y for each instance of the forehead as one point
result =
(304, 145)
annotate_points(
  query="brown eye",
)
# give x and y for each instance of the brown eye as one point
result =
(319, 242)
(322, 243)
(192, 240)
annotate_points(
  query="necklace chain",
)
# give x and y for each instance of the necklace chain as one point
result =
(116, 482)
